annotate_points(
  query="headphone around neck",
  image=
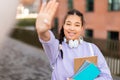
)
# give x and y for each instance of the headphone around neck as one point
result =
(74, 43)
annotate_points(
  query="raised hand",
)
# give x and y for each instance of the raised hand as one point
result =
(45, 16)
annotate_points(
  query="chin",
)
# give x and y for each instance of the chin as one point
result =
(71, 38)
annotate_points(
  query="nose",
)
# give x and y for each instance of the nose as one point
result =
(71, 27)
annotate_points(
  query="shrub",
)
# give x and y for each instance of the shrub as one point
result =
(26, 22)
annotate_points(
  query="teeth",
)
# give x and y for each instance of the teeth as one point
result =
(71, 34)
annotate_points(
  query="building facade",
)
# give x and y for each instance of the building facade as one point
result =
(101, 16)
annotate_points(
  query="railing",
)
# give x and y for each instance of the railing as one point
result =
(111, 51)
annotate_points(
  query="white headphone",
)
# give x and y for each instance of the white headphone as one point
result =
(74, 43)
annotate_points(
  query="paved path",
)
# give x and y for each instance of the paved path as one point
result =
(20, 61)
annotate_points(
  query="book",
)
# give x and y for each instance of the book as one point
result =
(88, 71)
(79, 61)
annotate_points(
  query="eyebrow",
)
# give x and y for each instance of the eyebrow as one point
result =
(68, 21)
(75, 22)
(78, 22)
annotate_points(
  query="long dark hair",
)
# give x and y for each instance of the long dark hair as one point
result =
(61, 35)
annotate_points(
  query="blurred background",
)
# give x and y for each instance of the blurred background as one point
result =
(22, 56)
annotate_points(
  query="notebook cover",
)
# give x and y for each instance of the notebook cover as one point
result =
(79, 61)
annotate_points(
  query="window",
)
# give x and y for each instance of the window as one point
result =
(89, 33)
(113, 35)
(70, 4)
(113, 41)
(89, 5)
(113, 5)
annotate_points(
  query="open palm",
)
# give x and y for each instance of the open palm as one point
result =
(46, 15)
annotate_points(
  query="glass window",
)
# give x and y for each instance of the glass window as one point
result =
(89, 5)
(89, 33)
(113, 41)
(70, 4)
(113, 5)
(113, 35)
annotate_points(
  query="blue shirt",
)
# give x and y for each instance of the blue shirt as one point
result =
(64, 68)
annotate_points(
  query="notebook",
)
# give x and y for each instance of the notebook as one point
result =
(79, 61)
(88, 71)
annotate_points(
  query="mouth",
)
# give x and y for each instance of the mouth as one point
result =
(71, 34)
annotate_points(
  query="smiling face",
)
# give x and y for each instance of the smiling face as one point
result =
(73, 27)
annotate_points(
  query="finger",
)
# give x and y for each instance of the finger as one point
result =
(48, 6)
(42, 7)
(52, 6)
(54, 9)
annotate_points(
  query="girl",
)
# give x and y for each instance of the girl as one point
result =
(61, 53)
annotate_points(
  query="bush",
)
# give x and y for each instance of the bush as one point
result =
(26, 22)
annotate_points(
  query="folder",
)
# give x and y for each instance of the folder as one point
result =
(88, 71)
(79, 61)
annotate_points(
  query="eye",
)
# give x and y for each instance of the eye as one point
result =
(77, 25)
(68, 24)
